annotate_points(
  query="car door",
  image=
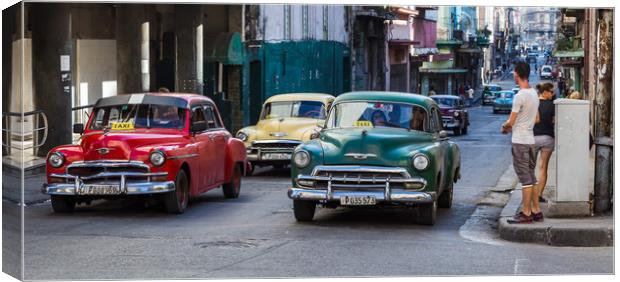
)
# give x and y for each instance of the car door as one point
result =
(218, 136)
(206, 171)
(443, 154)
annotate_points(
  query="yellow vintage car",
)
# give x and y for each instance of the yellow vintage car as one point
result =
(286, 121)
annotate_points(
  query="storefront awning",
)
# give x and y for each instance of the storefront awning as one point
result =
(569, 54)
(225, 48)
(451, 70)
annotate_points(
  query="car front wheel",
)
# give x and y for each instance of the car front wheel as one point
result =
(445, 199)
(63, 204)
(427, 213)
(176, 201)
(231, 189)
(304, 210)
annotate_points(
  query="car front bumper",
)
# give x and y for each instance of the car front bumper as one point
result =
(142, 188)
(413, 197)
(449, 123)
(387, 185)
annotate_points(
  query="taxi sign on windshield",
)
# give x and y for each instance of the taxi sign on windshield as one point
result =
(121, 126)
(363, 123)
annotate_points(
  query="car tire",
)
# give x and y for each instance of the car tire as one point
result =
(63, 204)
(232, 188)
(495, 111)
(464, 131)
(304, 210)
(177, 200)
(427, 213)
(457, 131)
(445, 199)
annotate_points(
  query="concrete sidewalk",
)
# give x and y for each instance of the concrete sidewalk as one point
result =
(592, 231)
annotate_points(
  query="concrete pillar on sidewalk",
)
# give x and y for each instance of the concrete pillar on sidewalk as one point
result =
(52, 69)
(188, 19)
(133, 62)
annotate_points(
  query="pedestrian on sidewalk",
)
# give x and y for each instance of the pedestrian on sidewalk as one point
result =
(544, 134)
(521, 123)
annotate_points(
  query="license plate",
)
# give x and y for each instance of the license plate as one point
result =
(358, 201)
(92, 189)
(276, 156)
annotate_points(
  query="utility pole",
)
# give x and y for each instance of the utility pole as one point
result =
(603, 113)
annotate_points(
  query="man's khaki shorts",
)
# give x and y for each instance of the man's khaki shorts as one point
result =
(524, 162)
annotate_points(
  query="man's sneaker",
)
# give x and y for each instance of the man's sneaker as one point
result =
(538, 217)
(521, 218)
(541, 199)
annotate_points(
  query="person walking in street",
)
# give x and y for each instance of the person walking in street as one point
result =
(470, 96)
(521, 123)
(544, 134)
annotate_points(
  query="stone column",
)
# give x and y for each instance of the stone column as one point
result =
(188, 18)
(132, 49)
(52, 65)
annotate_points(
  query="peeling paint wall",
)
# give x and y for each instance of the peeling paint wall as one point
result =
(300, 22)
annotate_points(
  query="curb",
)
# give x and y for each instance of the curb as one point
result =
(574, 232)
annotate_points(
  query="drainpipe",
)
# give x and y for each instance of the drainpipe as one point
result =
(603, 111)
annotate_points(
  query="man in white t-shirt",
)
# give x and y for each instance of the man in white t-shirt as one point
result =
(521, 123)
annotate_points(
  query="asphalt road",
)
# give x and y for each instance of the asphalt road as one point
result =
(256, 235)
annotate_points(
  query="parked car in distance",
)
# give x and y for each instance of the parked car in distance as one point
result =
(515, 90)
(286, 121)
(488, 93)
(546, 72)
(377, 149)
(503, 102)
(453, 113)
(171, 146)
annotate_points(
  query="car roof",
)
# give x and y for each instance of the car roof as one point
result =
(181, 100)
(387, 96)
(323, 97)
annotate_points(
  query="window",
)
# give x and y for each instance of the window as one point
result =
(378, 114)
(211, 117)
(140, 116)
(300, 109)
(437, 119)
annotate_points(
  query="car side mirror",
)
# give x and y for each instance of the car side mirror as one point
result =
(78, 128)
(198, 126)
(443, 134)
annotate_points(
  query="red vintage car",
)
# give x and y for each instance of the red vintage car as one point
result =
(172, 146)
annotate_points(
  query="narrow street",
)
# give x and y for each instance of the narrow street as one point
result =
(256, 235)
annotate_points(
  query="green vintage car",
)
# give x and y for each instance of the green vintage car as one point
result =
(377, 148)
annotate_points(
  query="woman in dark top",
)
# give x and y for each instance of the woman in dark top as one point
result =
(544, 133)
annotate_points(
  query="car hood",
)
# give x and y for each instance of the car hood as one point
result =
(446, 110)
(503, 101)
(285, 128)
(371, 146)
(118, 146)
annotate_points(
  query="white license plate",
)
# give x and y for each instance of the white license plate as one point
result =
(358, 200)
(276, 156)
(97, 189)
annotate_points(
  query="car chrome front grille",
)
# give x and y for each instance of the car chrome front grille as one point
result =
(107, 172)
(361, 178)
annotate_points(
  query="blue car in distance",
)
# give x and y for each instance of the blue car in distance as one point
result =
(503, 101)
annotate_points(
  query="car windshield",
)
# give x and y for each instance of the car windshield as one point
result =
(492, 88)
(302, 109)
(378, 114)
(138, 116)
(450, 102)
(504, 95)
(546, 69)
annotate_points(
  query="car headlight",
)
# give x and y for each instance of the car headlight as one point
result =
(157, 158)
(301, 159)
(242, 136)
(456, 114)
(56, 159)
(420, 161)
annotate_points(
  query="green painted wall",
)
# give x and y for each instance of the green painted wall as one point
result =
(293, 66)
